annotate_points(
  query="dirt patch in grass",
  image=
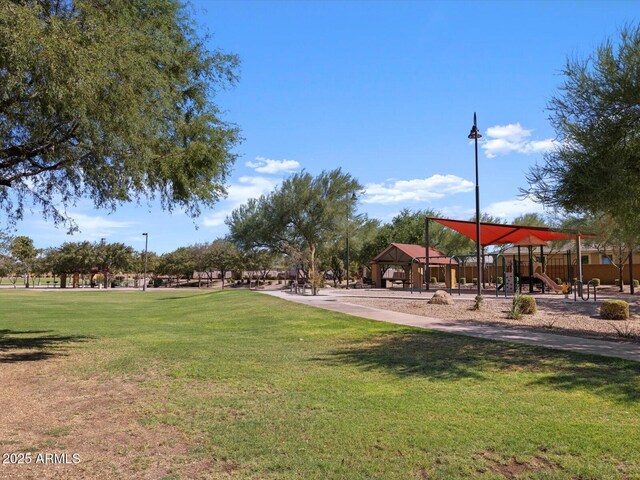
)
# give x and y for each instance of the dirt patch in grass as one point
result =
(45, 409)
(514, 468)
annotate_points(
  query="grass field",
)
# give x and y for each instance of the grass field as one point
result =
(260, 388)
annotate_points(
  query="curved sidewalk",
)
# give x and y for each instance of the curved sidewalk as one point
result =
(626, 351)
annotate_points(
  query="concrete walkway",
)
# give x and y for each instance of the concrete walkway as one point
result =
(627, 351)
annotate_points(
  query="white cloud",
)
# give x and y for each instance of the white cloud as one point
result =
(216, 218)
(510, 209)
(91, 227)
(267, 165)
(237, 194)
(418, 189)
(505, 139)
(249, 187)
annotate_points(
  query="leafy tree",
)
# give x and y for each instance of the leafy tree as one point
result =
(258, 261)
(223, 256)
(181, 263)
(609, 238)
(23, 250)
(304, 214)
(531, 220)
(137, 264)
(408, 227)
(595, 165)
(112, 257)
(109, 100)
(7, 266)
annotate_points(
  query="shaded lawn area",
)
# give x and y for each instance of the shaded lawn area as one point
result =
(281, 390)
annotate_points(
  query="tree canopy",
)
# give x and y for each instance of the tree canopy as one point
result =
(595, 166)
(303, 214)
(113, 101)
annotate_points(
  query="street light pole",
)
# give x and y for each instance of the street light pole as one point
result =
(144, 278)
(475, 135)
(352, 199)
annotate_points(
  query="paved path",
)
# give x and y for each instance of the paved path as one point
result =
(627, 351)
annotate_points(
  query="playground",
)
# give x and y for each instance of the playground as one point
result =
(555, 313)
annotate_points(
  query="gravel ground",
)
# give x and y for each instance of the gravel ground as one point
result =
(555, 313)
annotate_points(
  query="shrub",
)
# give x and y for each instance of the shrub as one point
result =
(636, 283)
(499, 281)
(463, 280)
(474, 281)
(526, 304)
(433, 280)
(558, 280)
(515, 313)
(317, 282)
(478, 303)
(614, 310)
(595, 282)
(617, 282)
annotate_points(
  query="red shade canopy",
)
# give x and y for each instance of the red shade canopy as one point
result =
(400, 253)
(497, 234)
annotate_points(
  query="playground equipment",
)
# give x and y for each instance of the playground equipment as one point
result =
(489, 271)
(548, 282)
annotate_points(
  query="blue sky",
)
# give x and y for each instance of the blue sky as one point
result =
(385, 90)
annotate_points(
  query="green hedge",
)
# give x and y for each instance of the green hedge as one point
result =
(595, 282)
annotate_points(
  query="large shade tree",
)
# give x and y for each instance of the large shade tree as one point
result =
(111, 100)
(222, 255)
(301, 215)
(24, 252)
(595, 167)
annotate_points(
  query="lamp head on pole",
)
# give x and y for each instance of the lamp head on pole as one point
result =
(475, 133)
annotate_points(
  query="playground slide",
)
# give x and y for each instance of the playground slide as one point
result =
(548, 282)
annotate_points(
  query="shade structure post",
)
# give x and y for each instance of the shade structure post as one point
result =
(427, 270)
(519, 271)
(542, 263)
(530, 269)
(631, 286)
(579, 260)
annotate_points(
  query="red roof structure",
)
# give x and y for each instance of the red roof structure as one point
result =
(401, 253)
(498, 234)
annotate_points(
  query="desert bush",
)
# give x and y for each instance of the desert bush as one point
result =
(636, 283)
(526, 303)
(558, 280)
(499, 281)
(478, 303)
(474, 281)
(595, 282)
(317, 281)
(463, 280)
(515, 313)
(624, 330)
(433, 280)
(614, 310)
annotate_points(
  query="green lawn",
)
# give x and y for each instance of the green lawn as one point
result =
(287, 391)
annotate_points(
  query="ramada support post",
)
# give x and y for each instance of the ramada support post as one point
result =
(631, 286)
(427, 270)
